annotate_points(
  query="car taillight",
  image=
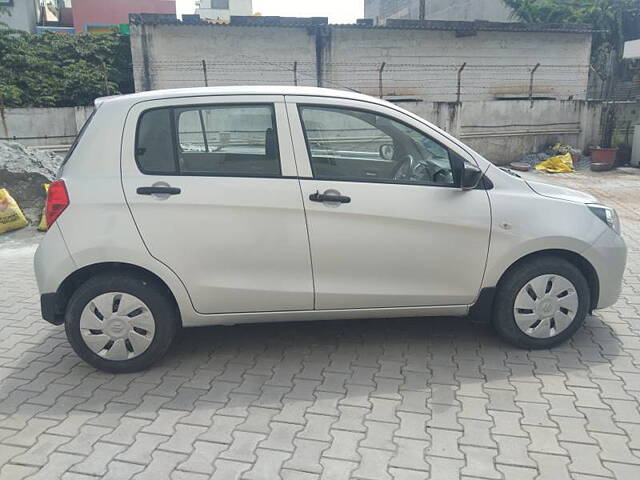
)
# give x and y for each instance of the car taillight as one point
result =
(57, 201)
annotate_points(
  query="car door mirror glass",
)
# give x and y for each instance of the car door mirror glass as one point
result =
(471, 176)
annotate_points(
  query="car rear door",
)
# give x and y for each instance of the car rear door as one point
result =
(380, 237)
(211, 184)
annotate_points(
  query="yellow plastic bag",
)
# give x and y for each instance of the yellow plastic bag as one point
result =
(557, 164)
(43, 227)
(11, 217)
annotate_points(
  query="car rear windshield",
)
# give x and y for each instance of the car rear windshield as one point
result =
(77, 140)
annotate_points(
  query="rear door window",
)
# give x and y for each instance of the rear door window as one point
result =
(228, 140)
(220, 140)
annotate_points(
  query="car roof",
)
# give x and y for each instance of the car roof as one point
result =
(235, 90)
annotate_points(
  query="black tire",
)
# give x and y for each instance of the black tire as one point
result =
(516, 278)
(150, 292)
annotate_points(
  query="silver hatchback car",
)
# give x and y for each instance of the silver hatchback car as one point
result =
(195, 207)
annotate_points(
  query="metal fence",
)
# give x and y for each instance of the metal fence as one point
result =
(467, 81)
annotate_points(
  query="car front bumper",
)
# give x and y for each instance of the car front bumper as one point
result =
(608, 255)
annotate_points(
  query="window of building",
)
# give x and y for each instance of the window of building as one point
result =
(220, 4)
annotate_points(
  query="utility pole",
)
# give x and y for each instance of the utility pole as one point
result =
(204, 71)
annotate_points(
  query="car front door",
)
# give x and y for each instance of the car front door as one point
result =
(210, 182)
(388, 224)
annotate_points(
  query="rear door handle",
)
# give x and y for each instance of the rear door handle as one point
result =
(158, 191)
(324, 197)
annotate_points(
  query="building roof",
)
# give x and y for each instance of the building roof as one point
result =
(481, 25)
(253, 21)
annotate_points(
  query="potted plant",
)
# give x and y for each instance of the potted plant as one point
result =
(604, 157)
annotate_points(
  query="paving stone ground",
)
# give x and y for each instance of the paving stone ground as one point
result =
(371, 399)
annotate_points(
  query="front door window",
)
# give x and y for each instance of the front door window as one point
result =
(355, 145)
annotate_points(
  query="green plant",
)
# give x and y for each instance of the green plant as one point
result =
(52, 70)
(606, 16)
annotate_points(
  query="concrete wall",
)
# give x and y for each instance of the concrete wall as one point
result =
(502, 131)
(425, 63)
(457, 10)
(22, 15)
(418, 62)
(234, 55)
(42, 126)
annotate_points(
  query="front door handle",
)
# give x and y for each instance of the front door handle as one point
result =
(329, 197)
(158, 191)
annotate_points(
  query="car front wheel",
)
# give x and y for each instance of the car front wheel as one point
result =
(120, 323)
(541, 302)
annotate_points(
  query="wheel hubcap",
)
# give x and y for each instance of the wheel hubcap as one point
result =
(117, 326)
(546, 306)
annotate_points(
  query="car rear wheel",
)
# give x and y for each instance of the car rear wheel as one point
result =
(120, 323)
(541, 302)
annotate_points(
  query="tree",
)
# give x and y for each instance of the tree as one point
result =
(606, 16)
(4, 11)
(53, 70)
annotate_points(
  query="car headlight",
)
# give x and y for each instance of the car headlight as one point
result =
(607, 215)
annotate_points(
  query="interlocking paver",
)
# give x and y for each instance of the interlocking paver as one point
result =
(84, 441)
(410, 454)
(436, 399)
(480, 462)
(268, 465)
(445, 443)
(142, 449)
(38, 454)
(17, 472)
(96, 464)
(513, 451)
(306, 457)
(221, 429)
(615, 448)
(162, 464)
(585, 459)
(182, 441)
(344, 445)
(281, 436)
(28, 436)
(122, 470)
(477, 433)
(374, 465)
(243, 447)
(202, 458)
(317, 427)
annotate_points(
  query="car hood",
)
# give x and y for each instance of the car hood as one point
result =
(562, 193)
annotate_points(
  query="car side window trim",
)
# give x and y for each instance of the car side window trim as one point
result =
(301, 106)
(176, 147)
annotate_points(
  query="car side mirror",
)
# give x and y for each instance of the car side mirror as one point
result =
(471, 176)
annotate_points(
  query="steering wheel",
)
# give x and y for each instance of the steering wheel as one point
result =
(407, 160)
